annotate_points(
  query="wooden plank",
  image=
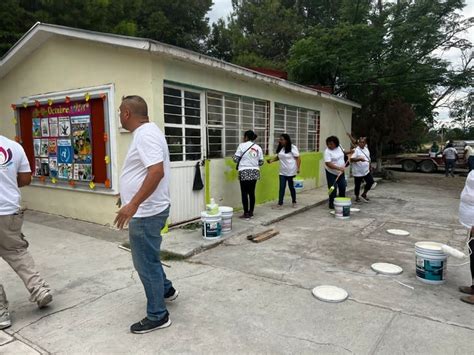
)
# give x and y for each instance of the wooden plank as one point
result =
(265, 236)
(253, 236)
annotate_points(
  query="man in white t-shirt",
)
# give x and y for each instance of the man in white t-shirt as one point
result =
(360, 160)
(335, 167)
(15, 172)
(145, 201)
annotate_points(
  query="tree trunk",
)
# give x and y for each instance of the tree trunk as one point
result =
(378, 157)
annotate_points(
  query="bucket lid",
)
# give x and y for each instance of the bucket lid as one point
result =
(342, 199)
(386, 268)
(399, 232)
(429, 246)
(226, 209)
(328, 293)
(207, 215)
(355, 209)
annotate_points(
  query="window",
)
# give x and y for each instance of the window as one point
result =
(228, 117)
(183, 123)
(301, 124)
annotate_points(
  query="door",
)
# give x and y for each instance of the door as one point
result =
(184, 122)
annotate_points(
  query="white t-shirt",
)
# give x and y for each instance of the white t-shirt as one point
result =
(335, 156)
(450, 153)
(148, 148)
(13, 160)
(361, 168)
(466, 206)
(288, 166)
(252, 158)
(468, 152)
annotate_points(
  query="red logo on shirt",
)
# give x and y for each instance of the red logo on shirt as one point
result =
(6, 157)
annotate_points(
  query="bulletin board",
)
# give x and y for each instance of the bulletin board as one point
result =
(66, 142)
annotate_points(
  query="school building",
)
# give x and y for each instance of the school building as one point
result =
(60, 89)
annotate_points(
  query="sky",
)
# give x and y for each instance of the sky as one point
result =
(222, 8)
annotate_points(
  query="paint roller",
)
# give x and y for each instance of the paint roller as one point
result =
(333, 187)
(453, 252)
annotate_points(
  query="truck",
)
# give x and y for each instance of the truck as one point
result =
(426, 162)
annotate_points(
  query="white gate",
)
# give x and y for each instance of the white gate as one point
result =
(184, 113)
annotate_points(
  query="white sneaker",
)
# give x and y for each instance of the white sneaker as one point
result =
(47, 299)
(5, 320)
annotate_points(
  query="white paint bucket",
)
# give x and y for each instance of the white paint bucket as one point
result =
(342, 207)
(431, 263)
(298, 184)
(211, 226)
(226, 213)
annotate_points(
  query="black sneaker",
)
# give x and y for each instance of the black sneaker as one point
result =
(146, 325)
(171, 295)
(358, 200)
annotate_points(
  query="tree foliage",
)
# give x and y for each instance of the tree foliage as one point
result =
(389, 63)
(182, 23)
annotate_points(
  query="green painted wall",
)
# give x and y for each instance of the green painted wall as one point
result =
(268, 185)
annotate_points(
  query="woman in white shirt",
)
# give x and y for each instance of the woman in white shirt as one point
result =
(466, 217)
(361, 169)
(290, 162)
(335, 166)
(249, 158)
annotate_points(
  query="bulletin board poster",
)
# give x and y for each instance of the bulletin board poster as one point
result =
(62, 141)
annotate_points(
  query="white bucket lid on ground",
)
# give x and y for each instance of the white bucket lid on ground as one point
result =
(327, 293)
(225, 209)
(386, 268)
(399, 232)
(355, 209)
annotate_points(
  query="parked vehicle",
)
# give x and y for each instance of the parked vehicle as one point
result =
(425, 162)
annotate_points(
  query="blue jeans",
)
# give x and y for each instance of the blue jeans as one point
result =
(450, 165)
(291, 186)
(470, 163)
(341, 185)
(145, 242)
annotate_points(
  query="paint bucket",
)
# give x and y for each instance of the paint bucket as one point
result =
(211, 225)
(226, 213)
(431, 262)
(342, 206)
(298, 183)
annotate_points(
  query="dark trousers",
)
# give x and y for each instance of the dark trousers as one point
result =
(450, 164)
(247, 188)
(341, 186)
(283, 181)
(470, 163)
(369, 181)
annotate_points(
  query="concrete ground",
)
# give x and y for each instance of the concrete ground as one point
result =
(242, 297)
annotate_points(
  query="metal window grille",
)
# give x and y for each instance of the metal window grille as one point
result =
(182, 110)
(229, 116)
(300, 124)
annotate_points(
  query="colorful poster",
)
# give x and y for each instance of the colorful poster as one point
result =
(52, 147)
(53, 167)
(64, 127)
(45, 127)
(45, 167)
(37, 167)
(65, 152)
(65, 171)
(81, 138)
(37, 147)
(53, 127)
(83, 172)
(44, 148)
(36, 127)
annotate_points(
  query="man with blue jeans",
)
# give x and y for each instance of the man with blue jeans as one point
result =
(145, 200)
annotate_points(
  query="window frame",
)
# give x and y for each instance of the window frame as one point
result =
(183, 125)
(225, 151)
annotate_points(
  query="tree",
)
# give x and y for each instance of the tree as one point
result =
(461, 113)
(182, 23)
(388, 64)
